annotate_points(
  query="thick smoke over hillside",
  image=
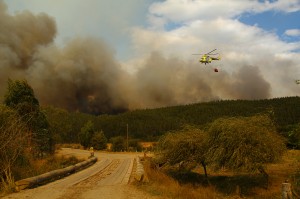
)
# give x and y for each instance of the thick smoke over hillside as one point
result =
(21, 35)
(85, 76)
(82, 76)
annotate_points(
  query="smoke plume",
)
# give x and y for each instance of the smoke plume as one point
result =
(85, 76)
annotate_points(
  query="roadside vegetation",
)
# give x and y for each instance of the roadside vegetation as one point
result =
(228, 158)
(164, 185)
(197, 143)
(26, 142)
(171, 182)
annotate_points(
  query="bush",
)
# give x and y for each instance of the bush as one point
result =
(134, 145)
(99, 141)
(118, 143)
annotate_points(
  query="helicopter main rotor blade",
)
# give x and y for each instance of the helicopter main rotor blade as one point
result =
(211, 51)
(206, 54)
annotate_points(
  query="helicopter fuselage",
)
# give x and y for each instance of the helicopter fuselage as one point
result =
(205, 59)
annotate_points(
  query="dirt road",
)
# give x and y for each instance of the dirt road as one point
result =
(107, 178)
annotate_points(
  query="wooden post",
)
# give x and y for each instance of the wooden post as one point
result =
(286, 190)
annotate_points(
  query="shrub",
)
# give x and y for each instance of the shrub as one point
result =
(118, 143)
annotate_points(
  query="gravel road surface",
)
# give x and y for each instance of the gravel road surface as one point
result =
(107, 178)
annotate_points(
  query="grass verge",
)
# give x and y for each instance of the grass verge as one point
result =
(223, 184)
(160, 184)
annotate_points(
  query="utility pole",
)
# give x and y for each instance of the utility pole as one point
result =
(127, 138)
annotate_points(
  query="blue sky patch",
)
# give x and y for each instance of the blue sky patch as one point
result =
(171, 26)
(274, 21)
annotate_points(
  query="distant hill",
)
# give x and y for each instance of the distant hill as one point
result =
(149, 124)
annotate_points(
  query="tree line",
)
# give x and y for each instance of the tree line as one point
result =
(150, 124)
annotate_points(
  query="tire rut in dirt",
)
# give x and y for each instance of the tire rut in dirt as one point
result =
(92, 181)
(78, 189)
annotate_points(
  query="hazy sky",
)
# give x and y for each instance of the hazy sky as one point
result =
(263, 36)
(105, 19)
(123, 24)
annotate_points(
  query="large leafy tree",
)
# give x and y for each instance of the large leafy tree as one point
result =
(187, 147)
(244, 143)
(20, 97)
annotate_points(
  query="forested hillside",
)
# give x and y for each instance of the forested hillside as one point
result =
(149, 124)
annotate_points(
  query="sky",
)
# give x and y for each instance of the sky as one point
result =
(108, 20)
(258, 37)
(116, 21)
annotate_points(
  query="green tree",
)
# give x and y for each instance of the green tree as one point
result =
(244, 143)
(99, 141)
(118, 143)
(86, 134)
(187, 147)
(20, 97)
(59, 125)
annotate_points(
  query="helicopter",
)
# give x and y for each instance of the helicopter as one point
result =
(207, 59)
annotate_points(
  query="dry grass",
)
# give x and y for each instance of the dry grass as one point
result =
(254, 186)
(225, 184)
(286, 169)
(26, 166)
(32, 167)
(162, 185)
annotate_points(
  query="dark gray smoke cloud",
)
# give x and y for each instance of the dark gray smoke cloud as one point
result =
(82, 76)
(164, 82)
(21, 35)
(249, 84)
(85, 76)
